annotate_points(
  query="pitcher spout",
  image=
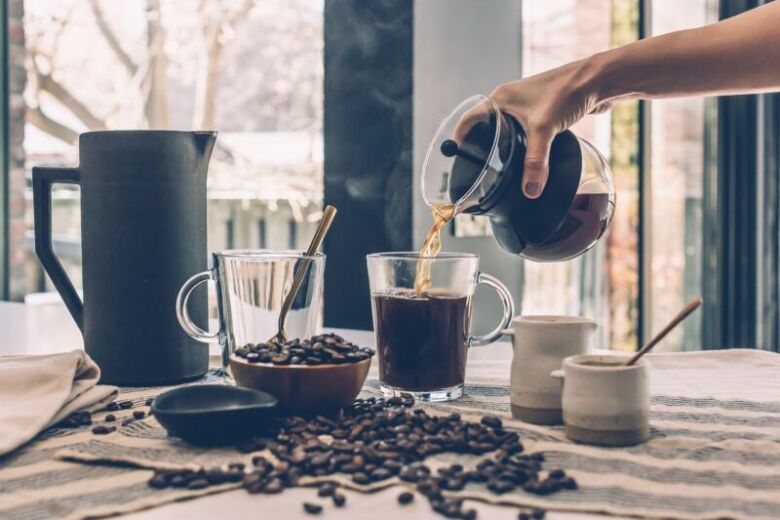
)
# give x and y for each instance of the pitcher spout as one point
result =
(205, 142)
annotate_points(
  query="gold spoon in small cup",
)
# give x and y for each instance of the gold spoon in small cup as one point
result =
(319, 235)
(692, 306)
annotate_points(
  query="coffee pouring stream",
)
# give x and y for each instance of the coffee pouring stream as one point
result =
(474, 165)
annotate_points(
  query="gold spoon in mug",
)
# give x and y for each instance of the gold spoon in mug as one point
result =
(319, 235)
(692, 306)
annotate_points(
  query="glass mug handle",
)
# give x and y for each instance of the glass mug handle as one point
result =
(183, 315)
(506, 318)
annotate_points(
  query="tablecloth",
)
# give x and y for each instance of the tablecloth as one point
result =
(714, 451)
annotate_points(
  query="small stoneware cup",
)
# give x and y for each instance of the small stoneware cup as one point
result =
(605, 402)
(540, 343)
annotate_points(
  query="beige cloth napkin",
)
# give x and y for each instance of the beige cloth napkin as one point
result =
(39, 391)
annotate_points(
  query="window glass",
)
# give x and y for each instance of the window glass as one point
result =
(679, 130)
(601, 284)
(251, 69)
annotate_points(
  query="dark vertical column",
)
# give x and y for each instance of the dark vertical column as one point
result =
(768, 300)
(368, 145)
(4, 151)
(643, 170)
(735, 229)
(735, 315)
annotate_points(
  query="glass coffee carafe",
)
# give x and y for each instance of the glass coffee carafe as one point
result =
(474, 165)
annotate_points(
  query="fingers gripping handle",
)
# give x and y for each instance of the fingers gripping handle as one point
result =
(183, 315)
(42, 180)
(506, 318)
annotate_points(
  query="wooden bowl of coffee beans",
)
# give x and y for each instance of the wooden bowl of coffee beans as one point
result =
(308, 376)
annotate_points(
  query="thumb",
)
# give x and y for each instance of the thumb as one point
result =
(537, 161)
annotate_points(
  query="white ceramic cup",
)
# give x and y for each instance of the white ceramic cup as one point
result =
(540, 344)
(607, 403)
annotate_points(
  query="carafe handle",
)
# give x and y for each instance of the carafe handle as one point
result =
(506, 318)
(183, 315)
(42, 179)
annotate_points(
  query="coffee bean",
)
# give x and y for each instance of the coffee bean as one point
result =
(110, 418)
(405, 498)
(312, 509)
(557, 474)
(139, 414)
(179, 481)
(326, 490)
(361, 478)
(470, 514)
(103, 430)
(125, 405)
(149, 401)
(339, 500)
(128, 421)
(198, 483)
(568, 483)
(274, 486)
(491, 421)
(158, 482)
(112, 407)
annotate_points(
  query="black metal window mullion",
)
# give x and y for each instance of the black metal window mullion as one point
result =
(4, 156)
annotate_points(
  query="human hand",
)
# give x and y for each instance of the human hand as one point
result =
(545, 105)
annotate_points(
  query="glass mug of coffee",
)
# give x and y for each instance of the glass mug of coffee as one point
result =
(422, 329)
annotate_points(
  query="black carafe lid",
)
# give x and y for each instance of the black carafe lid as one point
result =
(511, 212)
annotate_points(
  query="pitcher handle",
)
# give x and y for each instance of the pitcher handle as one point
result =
(183, 315)
(42, 179)
(509, 311)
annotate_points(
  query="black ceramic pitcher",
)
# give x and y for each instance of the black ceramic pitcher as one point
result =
(143, 233)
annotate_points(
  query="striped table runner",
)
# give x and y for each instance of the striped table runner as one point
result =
(714, 453)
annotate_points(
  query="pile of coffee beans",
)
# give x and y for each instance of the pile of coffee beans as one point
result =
(375, 439)
(317, 350)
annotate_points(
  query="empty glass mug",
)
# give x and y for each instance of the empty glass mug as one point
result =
(251, 286)
(423, 330)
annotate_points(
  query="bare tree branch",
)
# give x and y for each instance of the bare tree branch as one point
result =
(241, 13)
(206, 87)
(111, 39)
(68, 100)
(36, 117)
(156, 86)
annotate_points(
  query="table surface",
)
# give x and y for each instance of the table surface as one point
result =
(48, 328)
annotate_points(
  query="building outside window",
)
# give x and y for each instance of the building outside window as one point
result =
(253, 70)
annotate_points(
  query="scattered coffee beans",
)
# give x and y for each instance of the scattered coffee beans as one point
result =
(139, 414)
(110, 418)
(125, 405)
(103, 430)
(339, 500)
(312, 509)
(317, 350)
(376, 439)
(405, 498)
(148, 402)
(76, 420)
(112, 407)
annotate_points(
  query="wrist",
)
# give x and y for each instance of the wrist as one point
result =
(599, 78)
